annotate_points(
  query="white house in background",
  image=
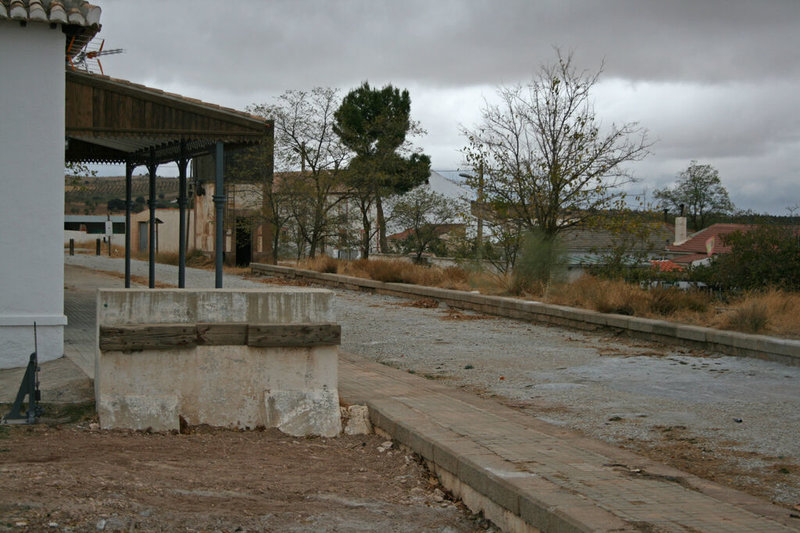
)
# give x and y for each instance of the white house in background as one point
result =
(83, 229)
(33, 38)
(450, 183)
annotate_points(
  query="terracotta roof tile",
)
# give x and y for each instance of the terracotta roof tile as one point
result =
(697, 242)
(580, 239)
(688, 259)
(72, 12)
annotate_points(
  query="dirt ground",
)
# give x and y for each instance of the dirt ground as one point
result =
(726, 419)
(75, 477)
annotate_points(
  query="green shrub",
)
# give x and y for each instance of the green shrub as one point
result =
(541, 262)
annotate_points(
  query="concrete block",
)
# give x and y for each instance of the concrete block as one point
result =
(664, 328)
(300, 412)
(691, 333)
(401, 434)
(473, 471)
(132, 306)
(719, 338)
(641, 325)
(419, 443)
(381, 421)
(617, 321)
(139, 412)
(785, 347)
(295, 306)
(743, 341)
(593, 317)
(219, 384)
(445, 457)
(573, 314)
(586, 516)
(224, 306)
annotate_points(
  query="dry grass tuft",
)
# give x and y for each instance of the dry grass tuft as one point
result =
(771, 312)
(782, 309)
(392, 272)
(601, 295)
(613, 296)
(455, 276)
(197, 259)
(751, 317)
(322, 263)
(389, 271)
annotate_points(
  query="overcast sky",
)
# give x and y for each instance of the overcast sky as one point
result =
(713, 80)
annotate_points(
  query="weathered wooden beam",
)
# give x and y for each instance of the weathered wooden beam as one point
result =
(221, 334)
(294, 335)
(147, 337)
(168, 336)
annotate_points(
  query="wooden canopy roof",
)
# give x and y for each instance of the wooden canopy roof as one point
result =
(113, 121)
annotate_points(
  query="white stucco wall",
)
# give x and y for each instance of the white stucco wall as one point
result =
(31, 192)
(81, 237)
(168, 232)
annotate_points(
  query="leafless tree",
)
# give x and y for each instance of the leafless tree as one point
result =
(312, 158)
(423, 213)
(700, 191)
(547, 162)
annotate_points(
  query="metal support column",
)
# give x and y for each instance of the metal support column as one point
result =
(151, 169)
(219, 204)
(183, 161)
(129, 166)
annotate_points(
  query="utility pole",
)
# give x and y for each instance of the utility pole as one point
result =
(478, 212)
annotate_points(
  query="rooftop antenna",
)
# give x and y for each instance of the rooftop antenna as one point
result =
(85, 59)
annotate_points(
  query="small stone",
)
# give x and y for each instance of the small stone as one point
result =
(146, 513)
(438, 495)
(387, 444)
(94, 426)
(101, 525)
(116, 524)
(21, 523)
(52, 524)
(358, 423)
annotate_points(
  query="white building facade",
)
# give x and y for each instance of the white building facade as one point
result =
(31, 180)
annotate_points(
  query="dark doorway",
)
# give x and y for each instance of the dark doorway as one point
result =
(143, 237)
(244, 241)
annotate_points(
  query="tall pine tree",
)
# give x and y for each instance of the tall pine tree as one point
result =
(374, 124)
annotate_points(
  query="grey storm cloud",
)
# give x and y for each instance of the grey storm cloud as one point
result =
(283, 43)
(712, 80)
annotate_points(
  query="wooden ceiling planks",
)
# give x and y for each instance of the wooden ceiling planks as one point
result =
(110, 120)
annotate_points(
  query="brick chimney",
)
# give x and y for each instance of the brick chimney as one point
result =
(680, 230)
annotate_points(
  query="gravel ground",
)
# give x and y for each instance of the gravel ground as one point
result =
(732, 420)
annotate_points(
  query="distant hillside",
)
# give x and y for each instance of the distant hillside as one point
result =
(91, 195)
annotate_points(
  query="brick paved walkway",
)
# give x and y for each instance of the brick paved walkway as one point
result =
(552, 477)
(80, 301)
